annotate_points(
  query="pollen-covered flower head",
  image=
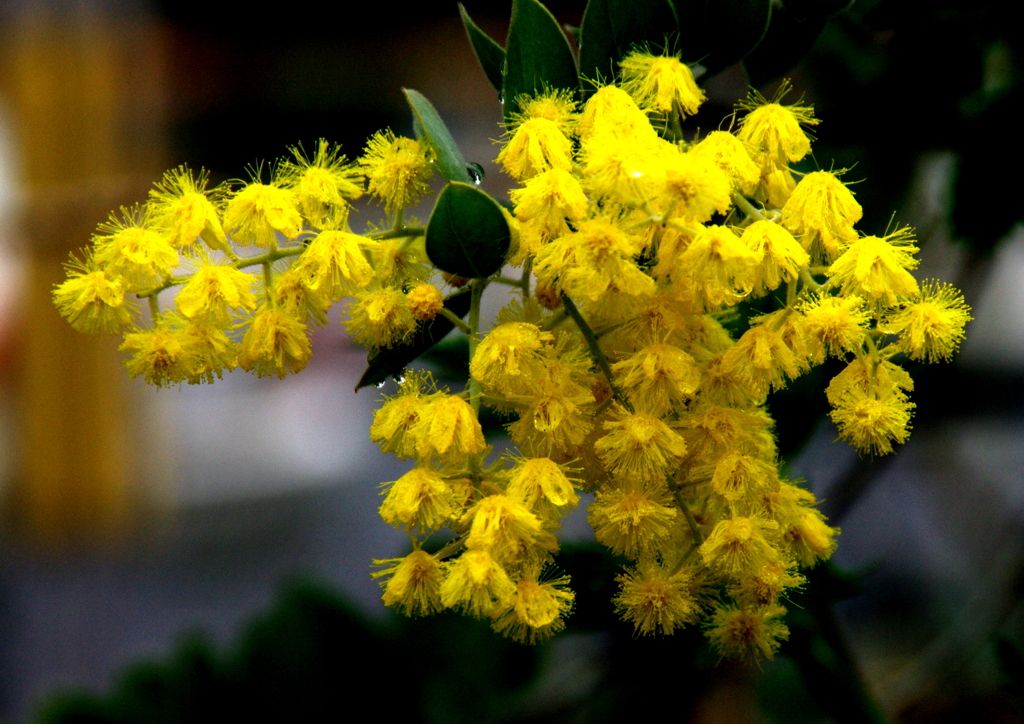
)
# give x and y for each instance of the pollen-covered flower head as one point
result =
(397, 169)
(511, 356)
(477, 584)
(876, 268)
(822, 211)
(535, 146)
(657, 599)
(258, 212)
(555, 105)
(419, 499)
(610, 113)
(660, 83)
(213, 291)
(538, 611)
(773, 132)
(448, 429)
(834, 325)
(748, 634)
(380, 318)
(185, 211)
(931, 326)
(781, 256)
(334, 264)
(729, 154)
(639, 445)
(634, 518)
(413, 583)
(322, 183)
(275, 344)
(93, 301)
(658, 377)
(128, 248)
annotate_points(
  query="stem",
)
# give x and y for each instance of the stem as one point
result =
(399, 233)
(456, 320)
(451, 549)
(477, 287)
(595, 350)
(554, 320)
(268, 279)
(677, 493)
(154, 309)
(525, 281)
(746, 207)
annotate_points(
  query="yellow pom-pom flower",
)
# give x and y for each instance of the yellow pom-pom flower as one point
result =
(660, 83)
(93, 301)
(258, 212)
(213, 291)
(931, 327)
(322, 184)
(275, 344)
(412, 583)
(397, 170)
(658, 600)
(182, 208)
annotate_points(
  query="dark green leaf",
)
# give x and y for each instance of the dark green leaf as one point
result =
(390, 362)
(611, 28)
(490, 54)
(537, 55)
(467, 234)
(788, 40)
(450, 163)
(718, 33)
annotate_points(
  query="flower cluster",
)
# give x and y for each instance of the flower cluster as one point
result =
(611, 359)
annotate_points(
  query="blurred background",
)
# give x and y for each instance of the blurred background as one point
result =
(161, 548)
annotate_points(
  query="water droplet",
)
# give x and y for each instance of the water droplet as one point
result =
(475, 171)
(399, 378)
(501, 98)
(380, 384)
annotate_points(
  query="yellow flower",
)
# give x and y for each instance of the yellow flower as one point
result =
(380, 318)
(872, 423)
(413, 583)
(291, 294)
(761, 361)
(274, 344)
(739, 477)
(257, 212)
(420, 498)
(747, 634)
(834, 325)
(213, 290)
(613, 115)
(209, 351)
(449, 429)
(538, 610)
(158, 355)
(425, 301)
(128, 249)
(693, 189)
(182, 208)
(781, 256)
(633, 518)
(658, 378)
(322, 185)
(656, 599)
(728, 153)
(660, 83)
(548, 199)
(92, 301)
(720, 264)
(395, 423)
(477, 585)
(510, 357)
(503, 526)
(397, 169)
(536, 146)
(822, 211)
(737, 546)
(773, 131)
(334, 264)
(931, 327)
(556, 106)
(876, 268)
(542, 485)
(639, 445)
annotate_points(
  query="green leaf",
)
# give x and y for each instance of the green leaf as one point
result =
(467, 234)
(537, 55)
(490, 54)
(719, 33)
(390, 362)
(787, 41)
(611, 28)
(427, 124)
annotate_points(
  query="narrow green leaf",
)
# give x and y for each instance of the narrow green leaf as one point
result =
(719, 33)
(537, 55)
(467, 234)
(611, 28)
(787, 41)
(390, 362)
(490, 54)
(450, 163)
